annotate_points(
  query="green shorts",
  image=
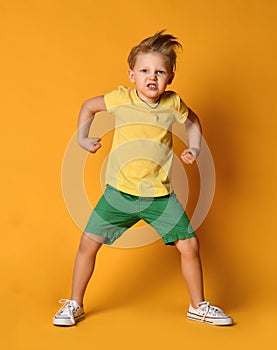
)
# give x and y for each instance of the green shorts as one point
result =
(117, 211)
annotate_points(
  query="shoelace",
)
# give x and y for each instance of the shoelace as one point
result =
(67, 303)
(212, 310)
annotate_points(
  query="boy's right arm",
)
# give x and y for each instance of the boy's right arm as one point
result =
(86, 116)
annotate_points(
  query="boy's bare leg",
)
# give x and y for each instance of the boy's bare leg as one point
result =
(191, 268)
(84, 266)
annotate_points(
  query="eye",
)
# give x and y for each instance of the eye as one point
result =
(143, 70)
(160, 72)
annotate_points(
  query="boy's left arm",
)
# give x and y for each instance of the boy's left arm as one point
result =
(194, 133)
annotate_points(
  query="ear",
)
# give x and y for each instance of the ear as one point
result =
(171, 78)
(131, 75)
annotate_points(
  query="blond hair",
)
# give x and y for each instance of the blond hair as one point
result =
(165, 44)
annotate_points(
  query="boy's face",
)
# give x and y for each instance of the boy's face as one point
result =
(151, 74)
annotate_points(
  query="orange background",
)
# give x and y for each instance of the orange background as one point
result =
(56, 54)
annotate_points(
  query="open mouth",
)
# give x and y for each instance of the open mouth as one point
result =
(152, 86)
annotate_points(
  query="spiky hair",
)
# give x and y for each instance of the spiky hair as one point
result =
(165, 44)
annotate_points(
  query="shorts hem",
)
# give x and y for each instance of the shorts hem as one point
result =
(170, 239)
(109, 239)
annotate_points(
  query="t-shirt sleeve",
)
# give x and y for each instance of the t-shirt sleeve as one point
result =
(114, 98)
(111, 99)
(182, 111)
(176, 104)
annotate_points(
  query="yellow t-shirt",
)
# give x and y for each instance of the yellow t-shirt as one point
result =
(141, 156)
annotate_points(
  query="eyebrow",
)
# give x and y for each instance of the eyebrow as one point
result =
(159, 68)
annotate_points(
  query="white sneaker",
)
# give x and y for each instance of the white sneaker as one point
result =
(209, 314)
(69, 314)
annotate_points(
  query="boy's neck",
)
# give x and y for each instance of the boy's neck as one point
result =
(152, 104)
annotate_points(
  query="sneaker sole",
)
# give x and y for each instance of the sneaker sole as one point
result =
(215, 322)
(67, 322)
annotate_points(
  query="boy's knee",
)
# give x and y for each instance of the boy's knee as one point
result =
(88, 243)
(188, 246)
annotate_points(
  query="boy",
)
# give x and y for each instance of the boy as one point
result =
(138, 174)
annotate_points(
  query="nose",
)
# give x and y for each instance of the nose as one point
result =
(153, 76)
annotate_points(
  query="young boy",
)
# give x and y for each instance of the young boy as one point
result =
(138, 174)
